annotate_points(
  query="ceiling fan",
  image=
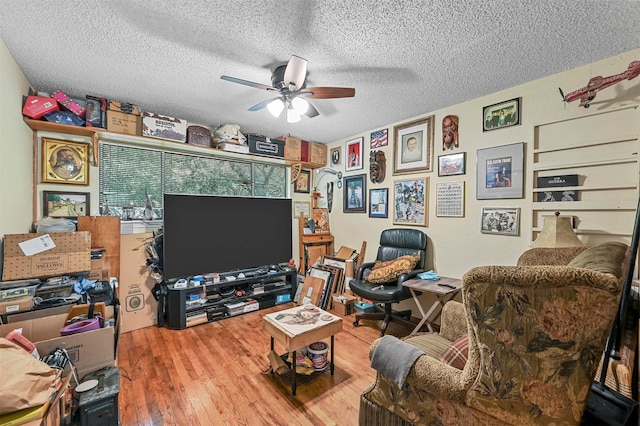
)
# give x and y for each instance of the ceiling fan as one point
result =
(288, 81)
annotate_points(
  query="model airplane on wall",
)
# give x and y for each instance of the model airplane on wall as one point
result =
(588, 93)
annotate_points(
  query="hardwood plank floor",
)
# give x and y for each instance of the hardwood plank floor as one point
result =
(217, 374)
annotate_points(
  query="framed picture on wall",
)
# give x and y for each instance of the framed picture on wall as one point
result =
(379, 202)
(355, 194)
(65, 204)
(353, 150)
(303, 183)
(501, 220)
(500, 172)
(301, 207)
(452, 164)
(379, 138)
(503, 114)
(65, 162)
(412, 146)
(410, 202)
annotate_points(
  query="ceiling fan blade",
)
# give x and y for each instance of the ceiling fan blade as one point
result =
(296, 72)
(328, 92)
(311, 111)
(248, 83)
(259, 106)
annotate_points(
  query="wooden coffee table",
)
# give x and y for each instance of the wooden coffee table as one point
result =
(297, 328)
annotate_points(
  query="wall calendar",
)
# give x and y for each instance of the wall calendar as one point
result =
(450, 199)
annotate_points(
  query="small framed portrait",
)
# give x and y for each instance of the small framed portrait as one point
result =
(379, 138)
(65, 204)
(336, 156)
(303, 183)
(65, 162)
(452, 164)
(379, 202)
(501, 220)
(355, 194)
(503, 114)
(413, 146)
(353, 149)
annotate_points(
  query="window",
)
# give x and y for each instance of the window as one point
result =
(133, 180)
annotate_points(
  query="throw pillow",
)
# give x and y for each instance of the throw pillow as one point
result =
(383, 272)
(606, 257)
(457, 354)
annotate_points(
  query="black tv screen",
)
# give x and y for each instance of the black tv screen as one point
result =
(204, 233)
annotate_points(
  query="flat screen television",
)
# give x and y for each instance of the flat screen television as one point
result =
(204, 233)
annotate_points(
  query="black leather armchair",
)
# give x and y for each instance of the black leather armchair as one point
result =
(393, 244)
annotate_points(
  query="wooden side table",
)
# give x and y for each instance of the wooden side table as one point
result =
(298, 327)
(444, 289)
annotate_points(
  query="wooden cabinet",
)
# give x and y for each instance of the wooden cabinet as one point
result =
(312, 246)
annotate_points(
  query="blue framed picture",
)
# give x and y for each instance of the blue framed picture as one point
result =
(379, 202)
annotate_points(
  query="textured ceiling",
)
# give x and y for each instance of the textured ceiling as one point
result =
(404, 58)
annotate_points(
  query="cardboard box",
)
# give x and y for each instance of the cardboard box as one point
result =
(164, 127)
(266, 146)
(97, 263)
(292, 148)
(344, 304)
(17, 305)
(89, 351)
(139, 307)
(72, 253)
(120, 122)
(99, 274)
(125, 107)
(317, 153)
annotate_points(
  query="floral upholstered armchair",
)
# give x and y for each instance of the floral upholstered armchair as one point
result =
(535, 336)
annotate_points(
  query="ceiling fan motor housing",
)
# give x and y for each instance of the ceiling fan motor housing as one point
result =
(277, 78)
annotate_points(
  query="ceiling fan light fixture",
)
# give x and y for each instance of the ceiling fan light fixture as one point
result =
(300, 105)
(275, 107)
(292, 116)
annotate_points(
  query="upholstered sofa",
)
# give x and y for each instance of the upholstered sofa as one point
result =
(535, 331)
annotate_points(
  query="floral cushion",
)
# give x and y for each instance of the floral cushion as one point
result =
(383, 272)
(458, 353)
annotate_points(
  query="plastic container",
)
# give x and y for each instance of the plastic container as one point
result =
(318, 354)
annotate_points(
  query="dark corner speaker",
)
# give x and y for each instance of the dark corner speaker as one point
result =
(134, 302)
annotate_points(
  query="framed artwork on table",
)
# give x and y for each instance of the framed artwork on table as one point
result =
(379, 202)
(500, 115)
(303, 183)
(379, 138)
(336, 156)
(452, 164)
(65, 204)
(500, 172)
(65, 162)
(355, 194)
(321, 220)
(353, 150)
(450, 199)
(413, 146)
(501, 221)
(410, 202)
(301, 207)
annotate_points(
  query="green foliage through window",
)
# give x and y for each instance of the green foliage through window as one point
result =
(131, 178)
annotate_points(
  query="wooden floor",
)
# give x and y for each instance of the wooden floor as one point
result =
(217, 374)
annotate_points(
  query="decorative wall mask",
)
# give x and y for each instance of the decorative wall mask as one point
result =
(377, 166)
(449, 132)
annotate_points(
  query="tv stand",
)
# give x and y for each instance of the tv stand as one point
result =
(233, 295)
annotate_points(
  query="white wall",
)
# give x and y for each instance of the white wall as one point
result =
(16, 151)
(457, 244)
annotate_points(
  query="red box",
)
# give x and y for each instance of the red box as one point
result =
(69, 104)
(37, 106)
